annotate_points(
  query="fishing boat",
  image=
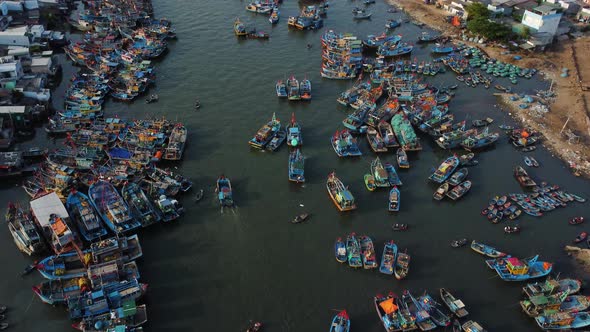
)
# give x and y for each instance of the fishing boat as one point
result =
(300, 218)
(370, 182)
(423, 319)
(380, 174)
(353, 250)
(281, 89)
(441, 191)
(557, 302)
(23, 230)
(486, 250)
(511, 229)
(278, 140)
(433, 309)
(112, 208)
(341, 322)
(523, 177)
(375, 140)
(534, 162)
(239, 28)
(402, 265)
(563, 320)
(467, 159)
(141, 207)
(576, 221)
(176, 143)
(368, 252)
(345, 145)
(515, 269)
(402, 158)
(471, 326)
(305, 89)
(392, 24)
(459, 191)
(455, 305)
(340, 195)
(552, 286)
(581, 237)
(388, 258)
(392, 175)
(83, 214)
(169, 209)
(480, 141)
(265, 134)
(387, 134)
(293, 88)
(59, 291)
(340, 251)
(426, 37)
(443, 50)
(389, 314)
(294, 137)
(445, 169)
(224, 192)
(458, 177)
(274, 17)
(459, 243)
(394, 199)
(254, 326)
(296, 166)
(399, 227)
(363, 15)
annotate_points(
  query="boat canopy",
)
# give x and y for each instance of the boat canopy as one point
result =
(459, 304)
(47, 205)
(388, 306)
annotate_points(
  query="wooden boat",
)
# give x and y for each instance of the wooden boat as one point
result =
(340, 195)
(294, 138)
(394, 199)
(281, 89)
(402, 158)
(534, 162)
(423, 319)
(523, 177)
(402, 265)
(482, 123)
(169, 209)
(551, 286)
(387, 134)
(370, 182)
(305, 89)
(277, 140)
(368, 252)
(432, 307)
(455, 305)
(58, 291)
(112, 208)
(345, 145)
(457, 326)
(445, 169)
(486, 250)
(128, 314)
(266, 133)
(467, 159)
(458, 177)
(459, 243)
(392, 175)
(511, 229)
(563, 320)
(23, 230)
(440, 193)
(300, 218)
(224, 192)
(375, 140)
(581, 237)
(389, 314)
(239, 28)
(274, 17)
(255, 34)
(254, 327)
(514, 269)
(471, 326)
(176, 143)
(353, 249)
(293, 88)
(141, 207)
(361, 15)
(388, 258)
(400, 227)
(459, 191)
(83, 214)
(407, 319)
(576, 221)
(341, 322)
(340, 251)
(296, 166)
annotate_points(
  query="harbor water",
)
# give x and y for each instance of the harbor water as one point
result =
(214, 270)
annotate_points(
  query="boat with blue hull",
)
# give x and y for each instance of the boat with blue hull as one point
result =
(445, 169)
(515, 269)
(353, 249)
(392, 175)
(141, 207)
(394, 199)
(296, 166)
(480, 141)
(345, 145)
(389, 314)
(23, 230)
(433, 308)
(281, 89)
(128, 317)
(380, 174)
(388, 258)
(112, 208)
(393, 50)
(340, 251)
(224, 192)
(563, 321)
(423, 319)
(169, 208)
(341, 322)
(356, 119)
(294, 138)
(486, 250)
(305, 89)
(88, 221)
(443, 50)
(265, 134)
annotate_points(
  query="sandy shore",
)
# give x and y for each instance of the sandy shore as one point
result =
(582, 257)
(572, 144)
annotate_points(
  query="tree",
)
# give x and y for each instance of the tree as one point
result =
(489, 29)
(477, 10)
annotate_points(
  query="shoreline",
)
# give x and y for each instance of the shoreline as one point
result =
(567, 110)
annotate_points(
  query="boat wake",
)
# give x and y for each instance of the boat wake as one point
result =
(230, 210)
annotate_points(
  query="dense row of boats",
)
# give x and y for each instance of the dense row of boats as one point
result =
(294, 90)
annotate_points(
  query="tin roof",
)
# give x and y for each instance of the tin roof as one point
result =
(47, 205)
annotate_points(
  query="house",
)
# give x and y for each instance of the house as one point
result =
(15, 37)
(43, 65)
(542, 19)
(456, 8)
(34, 87)
(584, 15)
(10, 72)
(570, 7)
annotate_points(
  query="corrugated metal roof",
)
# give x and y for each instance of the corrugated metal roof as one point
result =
(12, 109)
(47, 205)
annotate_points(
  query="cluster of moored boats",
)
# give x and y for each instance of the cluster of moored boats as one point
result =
(294, 90)
(310, 17)
(453, 184)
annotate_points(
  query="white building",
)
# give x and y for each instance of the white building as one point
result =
(15, 37)
(542, 19)
(10, 70)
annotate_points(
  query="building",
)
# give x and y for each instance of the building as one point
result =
(542, 19)
(584, 15)
(15, 37)
(10, 72)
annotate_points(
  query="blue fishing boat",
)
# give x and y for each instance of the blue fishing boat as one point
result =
(423, 319)
(294, 137)
(305, 89)
(480, 141)
(277, 140)
(169, 208)
(293, 92)
(392, 50)
(59, 291)
(380, 174)
(126, 318)
(433, 308)
(353, 249)
(224, 191)
(563, 320)
(392, 175)
(112, 208)
(140, 205)
(340, 251)
(389, 314)
(23, 230)
(445, 169)
(427, 37)
(486, 250)
(281, 89)
(296, 166)
(394, 199)
(515, 269)
(356, 119)
(265, 134)
(443, 50)
(345, 145)
(389, 257)
(373, 42)
(392, 24)
(84, 215)
(274, 16)
(341, 322)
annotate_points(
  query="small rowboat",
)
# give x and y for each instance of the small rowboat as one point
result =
(511, 229)
(370, 182)
(300, 218)
(254, 327)
(576, 221)
(459, 243)
(581, 237)
(441, 191)
(399, 227)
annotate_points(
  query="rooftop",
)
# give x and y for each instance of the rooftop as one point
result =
(545, 9)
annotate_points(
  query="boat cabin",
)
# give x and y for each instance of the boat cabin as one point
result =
(516, 266)
(51, 216)
(345, 199)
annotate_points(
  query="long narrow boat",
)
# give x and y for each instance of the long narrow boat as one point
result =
(23, 230)
(402, 158)
(281, 89)
(441, 191)
(386, 132)
(423, 319)
(293, 88)
(340, 195)
(224, 191)
(389, 314)
(551, 286)
(402, 265)
(515, 269)
(375, 140)
(368, 252)
(456, 306)
(564, 320)
(296, 166)
(459, 191)
(58, 291)
(433, 308)
(112, 208)
(388, 258)
(353, 249)
(486, 250)
(131, 317)
(340, 251)
(176, 143)
(445, 169)
(523, 177)
(141, 207)
(341, 322)
(392, 175)
(305, 89)
(84, 215)
(294, 138)
(394, 199)
(266, 133)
